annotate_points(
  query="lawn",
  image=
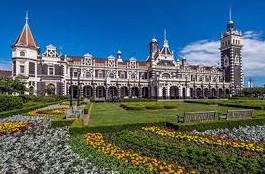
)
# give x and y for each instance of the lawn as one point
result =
(106, 114)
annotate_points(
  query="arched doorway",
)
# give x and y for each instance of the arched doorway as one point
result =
(214, 92)
(164, 92)
(191, 93)
(227, 92)
(124, 91)
(184, 95)
(50, 89)
(113, 91)
(174, 92)
(145, 92)
(88, 91)
(100, 92)
(135, 92)
(220, 92)
(206, 92)
(199, 93)
(73, 88)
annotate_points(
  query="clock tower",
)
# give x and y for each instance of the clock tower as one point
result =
(231, 57)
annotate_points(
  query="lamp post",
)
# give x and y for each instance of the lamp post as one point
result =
(71, 87)
(78, 87)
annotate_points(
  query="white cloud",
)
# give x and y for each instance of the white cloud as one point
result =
(207, 52)
(5, 65)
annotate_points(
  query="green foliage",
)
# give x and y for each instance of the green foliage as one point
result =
(253, 91)
(10, 102)
(77, 123)
(138, 100)
(61, 122)
(149, 105)
(25, 109)
(200, 158)
(50, 98)
(9, 86)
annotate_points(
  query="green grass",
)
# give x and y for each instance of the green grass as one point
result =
(108, 114)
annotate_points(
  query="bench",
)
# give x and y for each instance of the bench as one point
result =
(237, 114)
(197, 116)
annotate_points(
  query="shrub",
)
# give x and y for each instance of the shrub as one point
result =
(154, 106)
(138, 100)
(77, 123)
(61, 122)
(10, 102)
(25, 109)
(170, 106)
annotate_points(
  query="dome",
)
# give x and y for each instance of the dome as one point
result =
(111, 57)
(154, 40)
(119, 52)
(87, 55)
(132, 59)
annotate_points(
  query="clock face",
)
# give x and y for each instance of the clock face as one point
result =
(237, 60)
(226, 61)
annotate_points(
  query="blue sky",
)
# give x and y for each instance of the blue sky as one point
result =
(101, 27)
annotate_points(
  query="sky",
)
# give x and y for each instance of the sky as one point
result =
(102, 27)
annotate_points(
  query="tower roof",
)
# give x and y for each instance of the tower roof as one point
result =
(25, 38)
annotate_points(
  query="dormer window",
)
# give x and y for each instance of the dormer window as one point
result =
(22, 53)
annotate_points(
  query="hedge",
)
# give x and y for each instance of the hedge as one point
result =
(25, 109)
(61, 123)
(8, 102)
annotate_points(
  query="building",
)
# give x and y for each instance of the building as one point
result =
(160, 76)
(5, 74)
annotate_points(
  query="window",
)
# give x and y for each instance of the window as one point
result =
(75, 74)
(100, 74)
(111, 75)
(88, 74)
(22, 53)
(51, 72)
(122, 75)
(22, 69)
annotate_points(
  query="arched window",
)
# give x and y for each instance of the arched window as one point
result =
(22, 53)
(165, 76)
(88, 74)
(111, 75)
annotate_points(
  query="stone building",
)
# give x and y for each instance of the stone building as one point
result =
(161, 75)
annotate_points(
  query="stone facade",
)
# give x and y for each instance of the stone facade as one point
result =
(159, 76)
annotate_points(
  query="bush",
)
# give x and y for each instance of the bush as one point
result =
(61, 122)
(77, 123)
(154, 106)
(24, 109)
(138, 100)
(132, 106)
(8, 102)
(170, 106)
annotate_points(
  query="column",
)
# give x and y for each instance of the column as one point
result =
(180, 92)
(118, 91)
(107, 92)
(140, 92)
(94, 92)
(188, 92)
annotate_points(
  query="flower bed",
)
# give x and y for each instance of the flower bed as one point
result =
(40, 149)
(10, 127)
(251, 146)
(97, 142)
(59, 113)
(248, 133)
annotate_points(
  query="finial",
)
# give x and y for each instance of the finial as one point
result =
(27, 17)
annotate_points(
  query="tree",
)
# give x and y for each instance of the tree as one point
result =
(9, 86)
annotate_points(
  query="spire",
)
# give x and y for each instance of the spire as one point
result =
(230, 23)
(165, 39)
(25, 38)
(27, 18)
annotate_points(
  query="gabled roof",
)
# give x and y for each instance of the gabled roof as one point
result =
(25, 38)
